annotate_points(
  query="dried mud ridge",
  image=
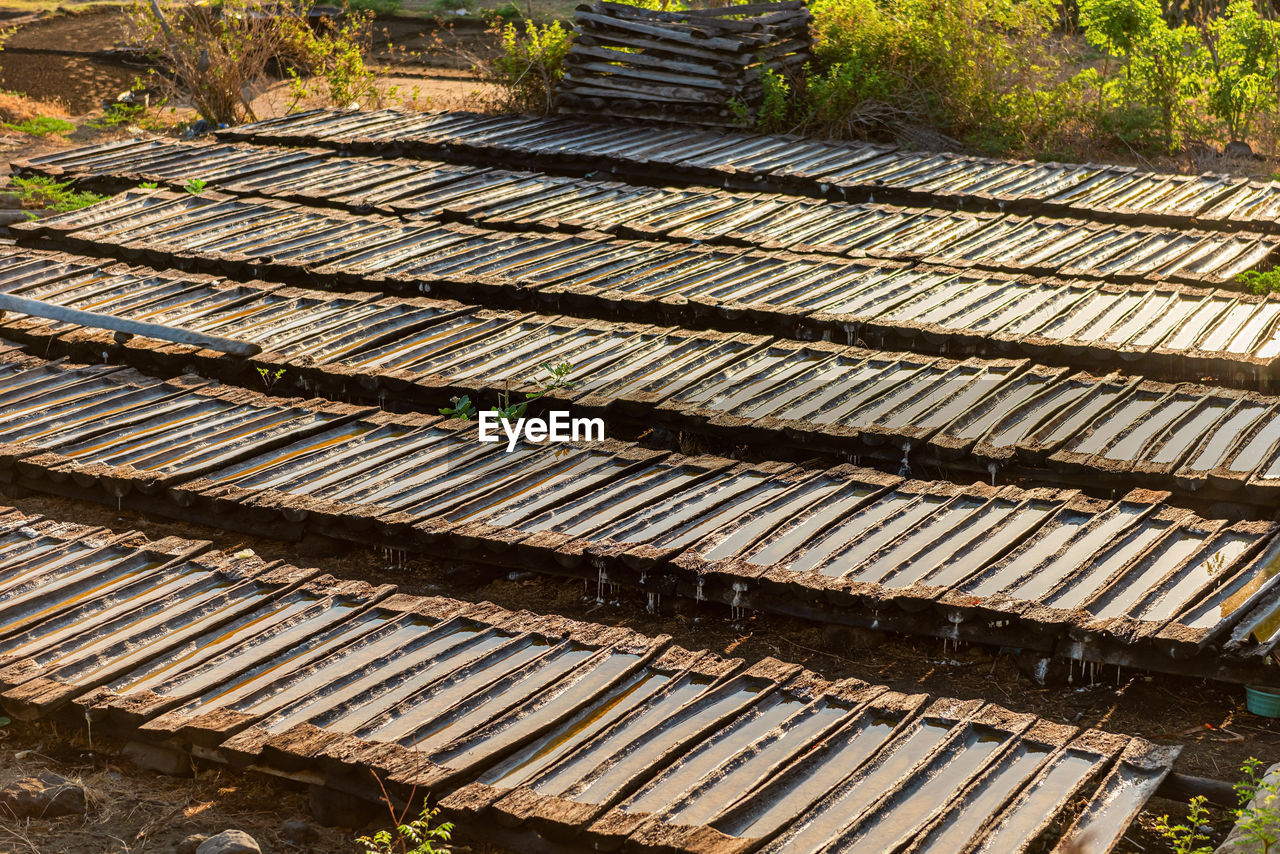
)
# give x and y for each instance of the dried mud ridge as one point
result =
(536, 732)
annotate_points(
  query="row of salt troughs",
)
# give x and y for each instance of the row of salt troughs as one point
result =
(522, 200)
(1171, 330)
(1132, 581)
(539, 733)
(973, 416)
(848, 170)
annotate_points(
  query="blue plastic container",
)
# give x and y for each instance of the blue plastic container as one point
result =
(1262, 701)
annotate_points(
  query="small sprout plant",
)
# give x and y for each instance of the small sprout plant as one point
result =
(270, 377)
(1185, 837)
(148, 185)
(1258, 816)
(1257, 819)
(416, 836)
(462, 408)
(557, 377)
(195, 186)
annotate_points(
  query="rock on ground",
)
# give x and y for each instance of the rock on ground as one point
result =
(45, 795)
(229, 842)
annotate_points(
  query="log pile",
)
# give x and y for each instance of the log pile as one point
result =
(701, 66)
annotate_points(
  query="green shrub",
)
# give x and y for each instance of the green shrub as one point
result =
(219, 54)
(1150, 100)
(987, 71)
(530, 64)
(1242, 58)
(332, 54)
(1261, 283)
(45, 193)
(377, 7)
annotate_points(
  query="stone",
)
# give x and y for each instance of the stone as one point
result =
(45, 795)
(191, 844)
(162, 760)
(298, 832)
(1237, 148)
(229, 842)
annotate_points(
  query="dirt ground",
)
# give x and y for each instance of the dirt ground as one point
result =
(134, 811)
(1208, 719)
(78, 60)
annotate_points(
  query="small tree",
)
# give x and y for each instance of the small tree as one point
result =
(1242, 53)
(219, 56)
(530, 64)
(1160, 68)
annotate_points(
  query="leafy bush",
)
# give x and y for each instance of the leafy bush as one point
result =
(987, 71)
(219, 55)
(46, 193)
(531, 62)
(1159, 70)
(377, 7)
(333, 53)
(1261, 283)
(1242, 58)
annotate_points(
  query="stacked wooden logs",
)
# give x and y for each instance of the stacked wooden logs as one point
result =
(701, 66)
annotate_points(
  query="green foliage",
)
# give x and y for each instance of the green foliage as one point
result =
(557, 377)
(984, 70)
(997, 75)
(270, 378)
(43, 126)
(1184, 837)
(417, 836)
(218, 54)
(1151, 100)
(775, 105)
(119, 115)
(1242, 59)
(1261, 283)
(1257, 819)
(148, 185)
(333, 54)
(462, 408)
(508, 11)
(1258, 816)
(41, 192)
(531, 62)
(195, 186)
